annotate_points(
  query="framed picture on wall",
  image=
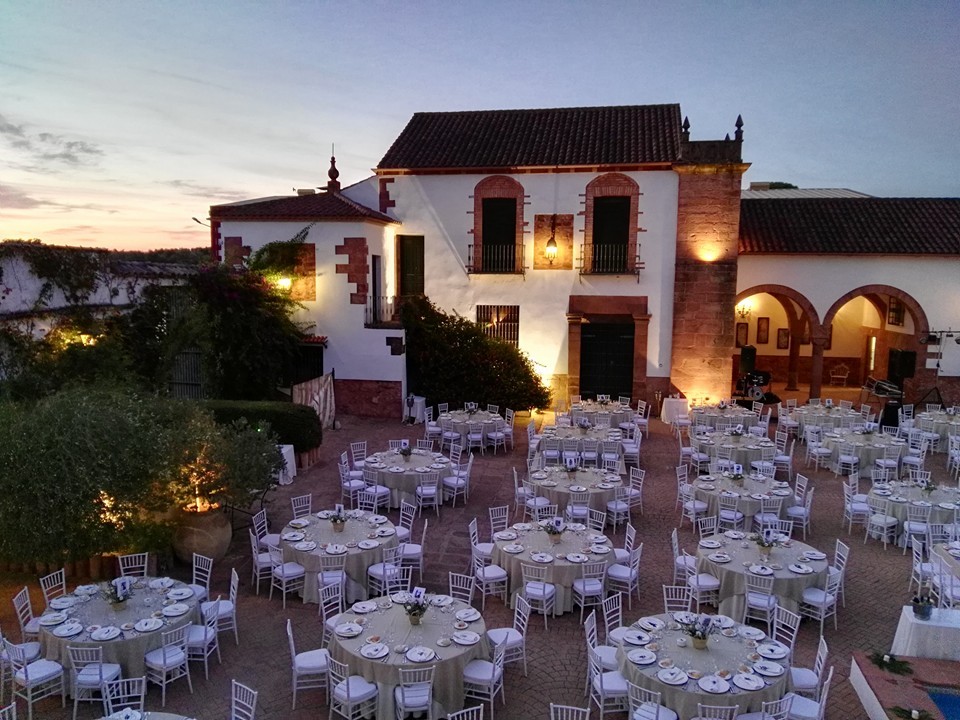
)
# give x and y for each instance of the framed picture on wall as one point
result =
(783, 338)
(743, 330)
(763, 330)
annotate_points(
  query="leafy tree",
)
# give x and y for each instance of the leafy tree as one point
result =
(451, 359)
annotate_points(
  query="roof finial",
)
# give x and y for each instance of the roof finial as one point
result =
(738, 135)
(686, 128)
(333, 173)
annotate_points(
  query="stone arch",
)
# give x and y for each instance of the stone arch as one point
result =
(782, 290)
(919, 316)
(611, 185)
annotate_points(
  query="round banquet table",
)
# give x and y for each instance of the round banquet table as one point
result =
(554, 484)
(402, 475)
(901, 494)
(461, 419)
(733, 654)
(949, 553)
(560, 571)
(709, 488)
(822, 416)
(734, 414)
(744, 449)
(788, 585)
(359, 528)
(866, 446)
(944, 423)
(395, 630)
(591, 410)
(127, 649)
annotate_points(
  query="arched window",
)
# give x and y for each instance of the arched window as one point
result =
(497, 226)
(612, 205)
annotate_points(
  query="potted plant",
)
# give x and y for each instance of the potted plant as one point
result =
(584, 425)
(416, 605)
(554, 530)
(700, 628)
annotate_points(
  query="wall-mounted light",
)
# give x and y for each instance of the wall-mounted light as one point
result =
(743, 310)
(284, 283)
(550, 251)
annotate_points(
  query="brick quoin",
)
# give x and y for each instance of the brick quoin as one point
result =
(356, 268)
(495, 186)
(386, 202)
(611, 185)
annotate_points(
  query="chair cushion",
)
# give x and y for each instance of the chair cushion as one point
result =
(620, 572)
(621, 555)
(359, 689)
(480, 672)
(802, 678)
(269, 539)
(588, 586)
(731, 515)
(402, 534)
(761, 601)
(90, 675)
(199, 591)
(200, 635)
(31, 651)
(311, 661)
(649, 711)
(412, 698)
(539, 590)
(804, 708)
(485, 549)
(412, 551)
(798, 511)
(225, 610)
(703, 581)
(611, 684)
(289, 571)
(510, 636)
(154, 659)
(608, 656)
(492, 573)
(818, 597)
(40, 671)
(697, 506)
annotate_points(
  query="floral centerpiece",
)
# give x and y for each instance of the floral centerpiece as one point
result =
(926, 487)
(699, 629)
(416, 605)
(405, 452)
(117, 591)
(736, 431)
(583, 424)
(338, 517)
(766, 541)
(554, 529)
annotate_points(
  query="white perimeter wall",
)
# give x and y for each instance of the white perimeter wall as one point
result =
(353, 351)
(440, 207)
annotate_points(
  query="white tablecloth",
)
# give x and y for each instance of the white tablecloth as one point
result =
(938, 637)
(288, 473)
(418, 413)
(672, 407)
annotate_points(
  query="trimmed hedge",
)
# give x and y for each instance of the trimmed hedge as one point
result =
(296, 425)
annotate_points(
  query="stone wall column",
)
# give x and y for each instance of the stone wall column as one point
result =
(641, 325)
(816, 366)
(574, 322)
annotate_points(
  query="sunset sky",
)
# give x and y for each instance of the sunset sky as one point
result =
(121, 120)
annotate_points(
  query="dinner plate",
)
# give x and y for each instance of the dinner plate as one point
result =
(522, 526)
(577, 557)
(148, 625)
(420, 654)
(708, 486)
(468, 614)
(176, 610)
(335, 549)
(547, 483)
(946, 505)
(348, 630)
(364, 606)
(183, 593)
(506, 535)
(466, 637)
(542, 557)
(800, 568)
(641, 656)
(673, 676)
(710, 544)
(400, 597)
(636, 637)
(68, 630)
(577, 488)
(920, 503)
(126, 714)
(599, 549)
(324, 514)
(539, 475)
(377, 519)
(752, 633)
(747, 681)
(441, 600)
(761, 570)
(368, 544)
(898, 499)
(51, 619)
(597, 538)
(759, 496)
(513, 548)
(107, 632)
(768, 668)
(298, 524)
(713, 684)
(651, 623)
(422, 469)
(63, 602)
(780, 492)
(724, 621)
(606, 485)
(374, 651)
(305, 546)
(91, 589)
(436, 466)
(385, 532)
(815, 555)
(293, 536)
(772, 650)
(396, 469)
(882, 493)
(719, 557)
(734, 534)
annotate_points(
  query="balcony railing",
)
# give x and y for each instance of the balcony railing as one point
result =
(503, 259)
(609, 259)
(382, 311)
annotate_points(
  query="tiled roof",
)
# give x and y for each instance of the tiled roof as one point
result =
(627, 134)
(319, 206)
(796, 193)
(878, 226)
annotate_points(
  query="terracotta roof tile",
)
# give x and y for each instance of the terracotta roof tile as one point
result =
(627, 134)
(319, 206)
(878, 226)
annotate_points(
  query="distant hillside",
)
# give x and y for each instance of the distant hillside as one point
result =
(185, 256)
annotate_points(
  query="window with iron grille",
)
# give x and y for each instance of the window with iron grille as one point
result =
(501, 322)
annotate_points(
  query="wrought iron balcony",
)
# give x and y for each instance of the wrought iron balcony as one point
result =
(382, 311)
(609, 259)
(503, 259)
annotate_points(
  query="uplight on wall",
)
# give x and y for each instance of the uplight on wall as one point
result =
(284, 283)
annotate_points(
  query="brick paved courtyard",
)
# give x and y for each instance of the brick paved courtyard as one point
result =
(876, 588)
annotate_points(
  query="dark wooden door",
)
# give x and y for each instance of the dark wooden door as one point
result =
(410, 265)
(606, 359)
(499, 234)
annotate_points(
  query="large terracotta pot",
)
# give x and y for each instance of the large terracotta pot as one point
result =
(206, 533)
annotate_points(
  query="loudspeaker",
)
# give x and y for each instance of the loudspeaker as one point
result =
(748, 359)
(901, 364)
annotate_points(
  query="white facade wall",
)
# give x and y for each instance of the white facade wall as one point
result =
(440, 207)
(353, 351)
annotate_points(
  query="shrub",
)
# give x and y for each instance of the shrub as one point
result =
(296, 425)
